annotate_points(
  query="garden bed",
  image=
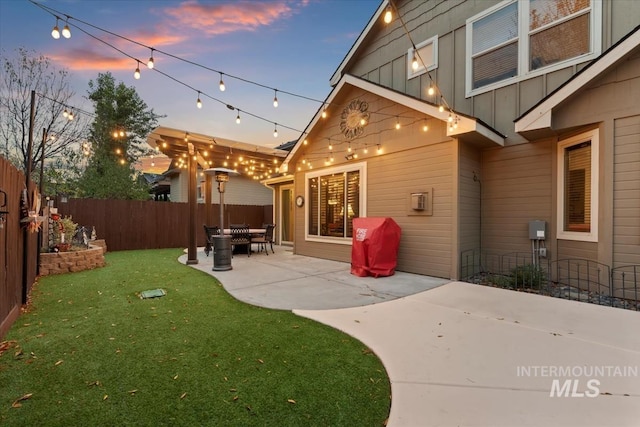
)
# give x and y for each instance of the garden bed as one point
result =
(72, 261)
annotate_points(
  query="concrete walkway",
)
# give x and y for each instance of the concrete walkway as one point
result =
(459, 354)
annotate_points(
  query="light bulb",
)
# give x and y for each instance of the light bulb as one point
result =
(70, 115)
(324, 112)
(349, 149)
(198, 102)
(121, 133)
(441, 109)
(450, 119)
(55, 33)
(150, 63)
(388, 15)
(379, 149)
(238, 118)
(275, 132)
(136, 74)
(222, 86)
(414, 62)
(66, 31)
(115, 133)
(425, 128)
(431, 90)
(397, 124)
(366, 150)
(65, 113)
(275, 99)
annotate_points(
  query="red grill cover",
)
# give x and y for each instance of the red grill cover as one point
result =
(374, 251)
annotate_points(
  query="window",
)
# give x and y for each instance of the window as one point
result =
(427, 55)
(521, 39)
(334, 198)
(578, 188)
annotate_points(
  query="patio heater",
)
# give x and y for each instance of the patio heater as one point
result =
(221, 242)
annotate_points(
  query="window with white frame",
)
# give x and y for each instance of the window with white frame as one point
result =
(521, 39)
(425, 56)
(334, 197)
(578, 187)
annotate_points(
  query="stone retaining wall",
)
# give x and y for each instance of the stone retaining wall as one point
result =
(68, 262)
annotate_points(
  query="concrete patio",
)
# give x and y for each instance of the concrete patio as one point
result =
(459, 354)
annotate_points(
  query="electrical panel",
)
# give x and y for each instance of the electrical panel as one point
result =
(537, 230)
(418, 201)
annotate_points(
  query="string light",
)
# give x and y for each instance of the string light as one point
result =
(349, 148)
(275, 98)
(150, 63)
(397, 123)
(199, 102)
(66, 31)
(55, 33)
(136, 74)
(388, 15)
(379, 150)
(275, 130)
(366, 150)
(324, 112)
(425, 127)
(65, 113)
(70, 117)
(238, 117)
(221, 85)
(414, 62)
(431, 90)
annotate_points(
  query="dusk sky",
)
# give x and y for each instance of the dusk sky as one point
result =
(293, 46)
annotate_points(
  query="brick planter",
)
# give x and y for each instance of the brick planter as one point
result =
(68, 262)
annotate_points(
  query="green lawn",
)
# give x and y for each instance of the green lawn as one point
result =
(90, 352)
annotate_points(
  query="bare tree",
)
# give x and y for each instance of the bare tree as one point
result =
(53, 133)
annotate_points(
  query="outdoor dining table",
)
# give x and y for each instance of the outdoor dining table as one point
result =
(252, 231)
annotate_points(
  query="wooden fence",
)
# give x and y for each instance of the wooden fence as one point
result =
(18, 247)
(131, 224)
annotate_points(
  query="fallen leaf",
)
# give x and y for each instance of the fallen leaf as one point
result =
(176, 377)
(95, 383)
(132, 391)
(17, 404)
(106, 396)
(260, 360)
(606, 393)
(183, 395)
(235, 398)
(440, 336)
(291, 401)
(59, 362)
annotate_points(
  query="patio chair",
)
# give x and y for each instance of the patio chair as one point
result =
(267, 237)
(209, 232)
(240, 236)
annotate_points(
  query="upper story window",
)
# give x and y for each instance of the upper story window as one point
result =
(427, 55)
(521, 39)
(334, 197)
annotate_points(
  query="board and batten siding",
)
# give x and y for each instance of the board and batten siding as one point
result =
(626, 192)
(382, 58)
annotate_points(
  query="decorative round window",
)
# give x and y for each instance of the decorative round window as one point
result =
(354, 118)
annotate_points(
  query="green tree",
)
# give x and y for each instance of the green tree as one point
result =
(110, 173)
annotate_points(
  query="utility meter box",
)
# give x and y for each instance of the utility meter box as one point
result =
(537, 230)
(418, 201)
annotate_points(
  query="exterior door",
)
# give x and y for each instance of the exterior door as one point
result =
(286, 214)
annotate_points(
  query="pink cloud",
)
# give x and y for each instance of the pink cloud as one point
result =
(216, 18)
(83, 59)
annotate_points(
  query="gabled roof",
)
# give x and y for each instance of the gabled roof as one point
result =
(466, 125)
(539, 116)
(335, 78)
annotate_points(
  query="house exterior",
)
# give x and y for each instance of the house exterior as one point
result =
(518, 111)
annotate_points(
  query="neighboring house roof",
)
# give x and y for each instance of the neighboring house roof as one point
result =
(539, 116)
(466, 125)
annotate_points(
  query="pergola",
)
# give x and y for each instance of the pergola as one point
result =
(194, 152)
